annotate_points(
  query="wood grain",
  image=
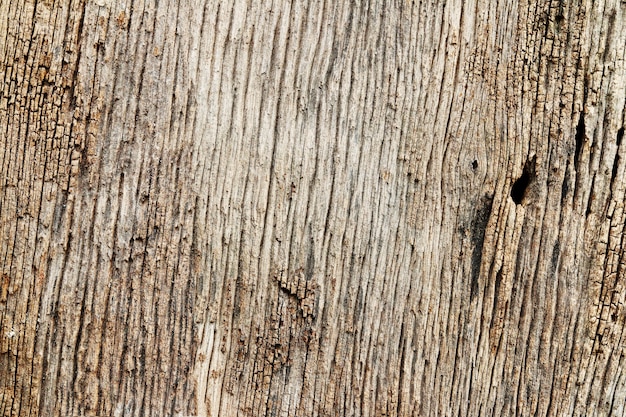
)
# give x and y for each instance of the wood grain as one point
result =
(312, 208)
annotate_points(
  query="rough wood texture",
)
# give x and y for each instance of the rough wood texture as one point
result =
(312, 208)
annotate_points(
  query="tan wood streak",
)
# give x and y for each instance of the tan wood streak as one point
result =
(303, 208)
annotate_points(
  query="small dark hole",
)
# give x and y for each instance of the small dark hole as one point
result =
(620, 136)
(518, 191)
(614, 171)
(580, 136)
(565, 187)
(475, 163)
(519, 188)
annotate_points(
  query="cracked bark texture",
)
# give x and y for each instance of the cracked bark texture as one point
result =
(312, 208)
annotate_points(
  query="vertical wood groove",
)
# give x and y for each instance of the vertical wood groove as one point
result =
(312, 208)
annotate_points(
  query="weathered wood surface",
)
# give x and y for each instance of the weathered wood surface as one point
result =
(308, 208)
